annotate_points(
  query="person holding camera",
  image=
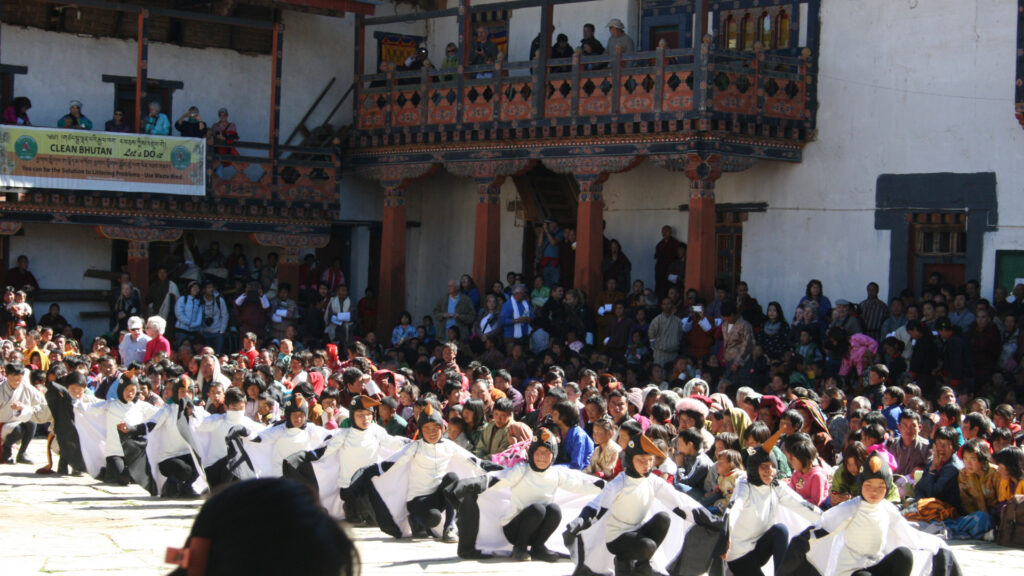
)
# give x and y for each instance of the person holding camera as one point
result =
(191, 124)
(699, 331)
(483, 49)
(215, 317)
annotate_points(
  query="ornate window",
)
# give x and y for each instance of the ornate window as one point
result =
(782, 30)
(766, 30)
(749, 32)
(730, 33)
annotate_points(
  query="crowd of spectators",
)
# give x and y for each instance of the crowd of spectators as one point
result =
(929, 379)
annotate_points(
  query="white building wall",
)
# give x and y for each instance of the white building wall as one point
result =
(58, 256)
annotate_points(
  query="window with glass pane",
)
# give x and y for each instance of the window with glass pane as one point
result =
(782, 30)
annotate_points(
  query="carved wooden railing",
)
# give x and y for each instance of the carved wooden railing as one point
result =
(668, 91)
(296, 175)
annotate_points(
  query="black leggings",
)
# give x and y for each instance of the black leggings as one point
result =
(640, 545)
(533, 526)
(116, 472)
(899, 562)
(23, 433)
(771, 544)
(425, 511)
(180, 469)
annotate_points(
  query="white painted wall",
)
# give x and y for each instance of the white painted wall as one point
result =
(58, 256)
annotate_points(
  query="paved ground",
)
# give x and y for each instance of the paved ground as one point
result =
(64, 525)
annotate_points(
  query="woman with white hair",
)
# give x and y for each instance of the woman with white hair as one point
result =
(155, 326)
(156, 122)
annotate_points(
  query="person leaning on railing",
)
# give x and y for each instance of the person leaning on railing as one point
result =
(155, 122)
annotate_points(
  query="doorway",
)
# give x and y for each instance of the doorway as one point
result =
(939, 247)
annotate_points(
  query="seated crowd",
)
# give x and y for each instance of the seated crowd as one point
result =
(926, 383)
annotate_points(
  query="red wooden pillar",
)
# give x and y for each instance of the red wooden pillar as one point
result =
(391, 300)
(288, 269)
(138, 266)
(589, 238)
(700, 252)
(487, 245)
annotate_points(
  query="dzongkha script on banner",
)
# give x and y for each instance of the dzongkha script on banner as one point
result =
(79, 160)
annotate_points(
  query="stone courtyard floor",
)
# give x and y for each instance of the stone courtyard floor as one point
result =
(66, 525)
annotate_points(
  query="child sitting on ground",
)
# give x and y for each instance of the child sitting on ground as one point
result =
(606, 450)
(730, 470)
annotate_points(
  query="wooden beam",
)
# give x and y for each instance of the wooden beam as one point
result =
(432, 14)
(141, 67)
(325, 7)
(179, 14)
(172, 84)
(275, 96)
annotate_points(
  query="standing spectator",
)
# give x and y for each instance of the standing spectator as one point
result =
(548, 241)
(483, 48)
(252, 308)
(156, 122)
(590, 45)
(468, 287)
(616, 265)
(748, 306)
(774, 334)
(451, 61)
(961, 315)
(20, 276)
(665, 333)
(737, 344)
(53, 319)
(215, 317)
(561, 49)
(162, 295)
(118, 123)
(16, 113)
(665, 253)
(284, 311)
(517, 317)
(188, 310)
(985, 345)
(225, 133)
(74, 119)
(338, 317)
(333, 276)
(155, 327)
(873, 312)
(567, 259)
(815, 293)
(619, 42)
(191, 124)
(126, 305)
(895, 321)
(925, 357)
(367, 308)
(133, 345)
(268, 275)
(554, 314)
(676, 272)
(455, 310)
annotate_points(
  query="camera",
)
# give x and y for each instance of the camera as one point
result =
(207, 322)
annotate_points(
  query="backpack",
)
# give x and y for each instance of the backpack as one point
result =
(1010, 530)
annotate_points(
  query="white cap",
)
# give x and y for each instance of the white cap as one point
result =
(134, 322)
(616, 23)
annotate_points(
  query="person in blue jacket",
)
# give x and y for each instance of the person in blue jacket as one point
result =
(576, 446)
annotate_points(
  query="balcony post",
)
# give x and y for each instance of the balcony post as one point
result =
(589, 236)
(359, 66)
(702, 171)
(142, 68)
(540, 81)
(487, 244)
(275, 97)
(391, 299)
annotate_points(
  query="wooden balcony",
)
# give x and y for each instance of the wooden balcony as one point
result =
(761, 101)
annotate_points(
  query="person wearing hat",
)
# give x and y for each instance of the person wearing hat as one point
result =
(74, 119)
(364, 443)
(408, 492)
(530, 494)
(868, 535)
(641, 524)
(133, 346)
(618, 41)
(842, 318)
(758, 531)
(191, 124)
(188, 310)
